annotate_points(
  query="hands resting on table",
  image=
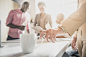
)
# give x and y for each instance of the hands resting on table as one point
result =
(50, 35)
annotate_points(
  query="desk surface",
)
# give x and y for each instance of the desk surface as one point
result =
(44, 50)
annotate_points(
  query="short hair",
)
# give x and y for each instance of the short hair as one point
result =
(41, 3)
(26, 3)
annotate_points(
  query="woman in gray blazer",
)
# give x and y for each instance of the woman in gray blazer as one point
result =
(42, 18)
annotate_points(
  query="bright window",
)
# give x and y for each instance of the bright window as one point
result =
(54, 7)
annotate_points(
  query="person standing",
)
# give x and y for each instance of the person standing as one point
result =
(76, 21)
(15, 21)
(42, 18)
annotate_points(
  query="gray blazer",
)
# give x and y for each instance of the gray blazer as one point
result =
(47, 19)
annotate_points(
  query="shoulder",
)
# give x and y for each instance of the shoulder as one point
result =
(13, 11)
(27, 14)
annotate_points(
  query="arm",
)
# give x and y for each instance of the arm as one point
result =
(10, 19)
(15, 26)
(12, 25)
(50, 21)
(75, 20)
(69, 25)
(35, 22)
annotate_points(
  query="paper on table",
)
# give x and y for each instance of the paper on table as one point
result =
(37, 28)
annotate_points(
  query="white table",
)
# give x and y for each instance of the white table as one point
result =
(44, 50)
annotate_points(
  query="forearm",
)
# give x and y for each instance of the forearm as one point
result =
(60, 31)
(75, 20)
(12, 26)
(75, 34)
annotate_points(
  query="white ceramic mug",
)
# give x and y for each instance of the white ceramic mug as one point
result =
(27, 42)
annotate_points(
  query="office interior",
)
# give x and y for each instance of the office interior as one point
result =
(53, 7)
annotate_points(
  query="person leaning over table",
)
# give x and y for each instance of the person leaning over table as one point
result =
(68, 52)
(76, 20)
(15, 21)
(42, 18)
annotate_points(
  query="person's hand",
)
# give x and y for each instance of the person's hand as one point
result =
(22, 28)
(73, 44)
(50, 34)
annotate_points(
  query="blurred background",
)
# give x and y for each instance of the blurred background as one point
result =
(53, 7)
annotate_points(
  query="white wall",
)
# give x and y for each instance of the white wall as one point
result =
(32, 8)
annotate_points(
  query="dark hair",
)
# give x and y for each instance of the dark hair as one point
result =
(26, 3)
(41, 3)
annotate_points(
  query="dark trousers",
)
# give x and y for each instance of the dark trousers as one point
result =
(11, 38)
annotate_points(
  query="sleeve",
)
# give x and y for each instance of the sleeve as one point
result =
(28, 21)
(35, 21)
(9, 18)
(50, 21)
(75, 20)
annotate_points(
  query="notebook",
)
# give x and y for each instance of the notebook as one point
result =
(37, 28)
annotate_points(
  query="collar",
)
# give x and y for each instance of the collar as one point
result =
(20, 11)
